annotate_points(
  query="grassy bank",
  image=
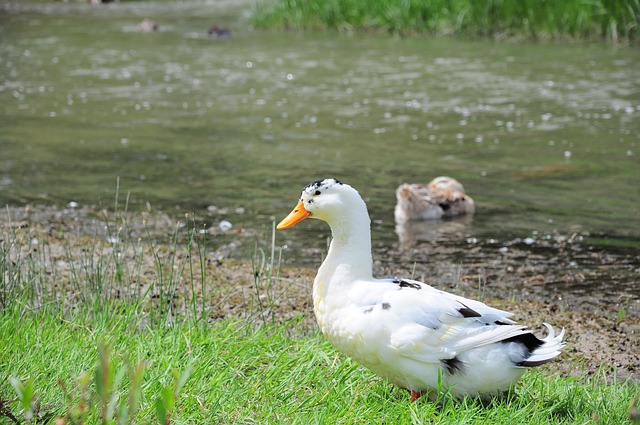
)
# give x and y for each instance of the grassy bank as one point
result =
(132, 323)
(115, 367)
(226, 372)
(614, 20)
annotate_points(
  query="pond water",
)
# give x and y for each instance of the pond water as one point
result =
(544, 137)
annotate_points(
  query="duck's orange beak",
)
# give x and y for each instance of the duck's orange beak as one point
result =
(297, 215)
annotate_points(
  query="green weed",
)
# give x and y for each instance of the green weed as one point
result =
(98, 397)
(614, 20)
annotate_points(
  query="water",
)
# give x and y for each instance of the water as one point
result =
(545, 138)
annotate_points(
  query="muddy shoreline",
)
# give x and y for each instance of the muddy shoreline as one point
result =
(601, 338)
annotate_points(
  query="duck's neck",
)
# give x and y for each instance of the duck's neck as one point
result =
(349, 258)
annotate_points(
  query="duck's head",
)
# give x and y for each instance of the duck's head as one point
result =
(446, 183)
(325, 200)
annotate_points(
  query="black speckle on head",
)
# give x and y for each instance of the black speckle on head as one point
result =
(468, 312)
(367, 310)
(313, 185)
(405, 284)
(453, 365)
(386, 306)
(319, 184)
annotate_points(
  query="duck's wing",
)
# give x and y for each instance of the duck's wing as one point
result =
(430, 194)
(427, 201)
(414, 194)
(452, 202)
(430, 325)
(414, 202)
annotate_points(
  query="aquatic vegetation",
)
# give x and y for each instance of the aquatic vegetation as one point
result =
(608, 19)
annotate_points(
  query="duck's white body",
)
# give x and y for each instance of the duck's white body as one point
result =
(442, 197)
(403, 330)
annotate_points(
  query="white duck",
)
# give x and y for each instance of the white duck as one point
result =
(406, 331)
(442, 197)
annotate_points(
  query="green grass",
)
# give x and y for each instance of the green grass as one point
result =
(615, 20)
(264, 374)
(87, 346)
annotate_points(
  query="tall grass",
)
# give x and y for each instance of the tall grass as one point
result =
(125, 260)
(68, 296)
(615, 20)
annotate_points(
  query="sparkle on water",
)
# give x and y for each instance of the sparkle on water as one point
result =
(545, 137)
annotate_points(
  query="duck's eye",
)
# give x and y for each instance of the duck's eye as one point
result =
(317, 192)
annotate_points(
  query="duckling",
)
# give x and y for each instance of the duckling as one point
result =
(442, 197)
(219, 32)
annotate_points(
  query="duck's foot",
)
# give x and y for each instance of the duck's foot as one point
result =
(415, 396)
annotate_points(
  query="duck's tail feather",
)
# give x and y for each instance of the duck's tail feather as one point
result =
(545, 352)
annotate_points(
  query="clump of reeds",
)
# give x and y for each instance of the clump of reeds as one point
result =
(615, 20)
